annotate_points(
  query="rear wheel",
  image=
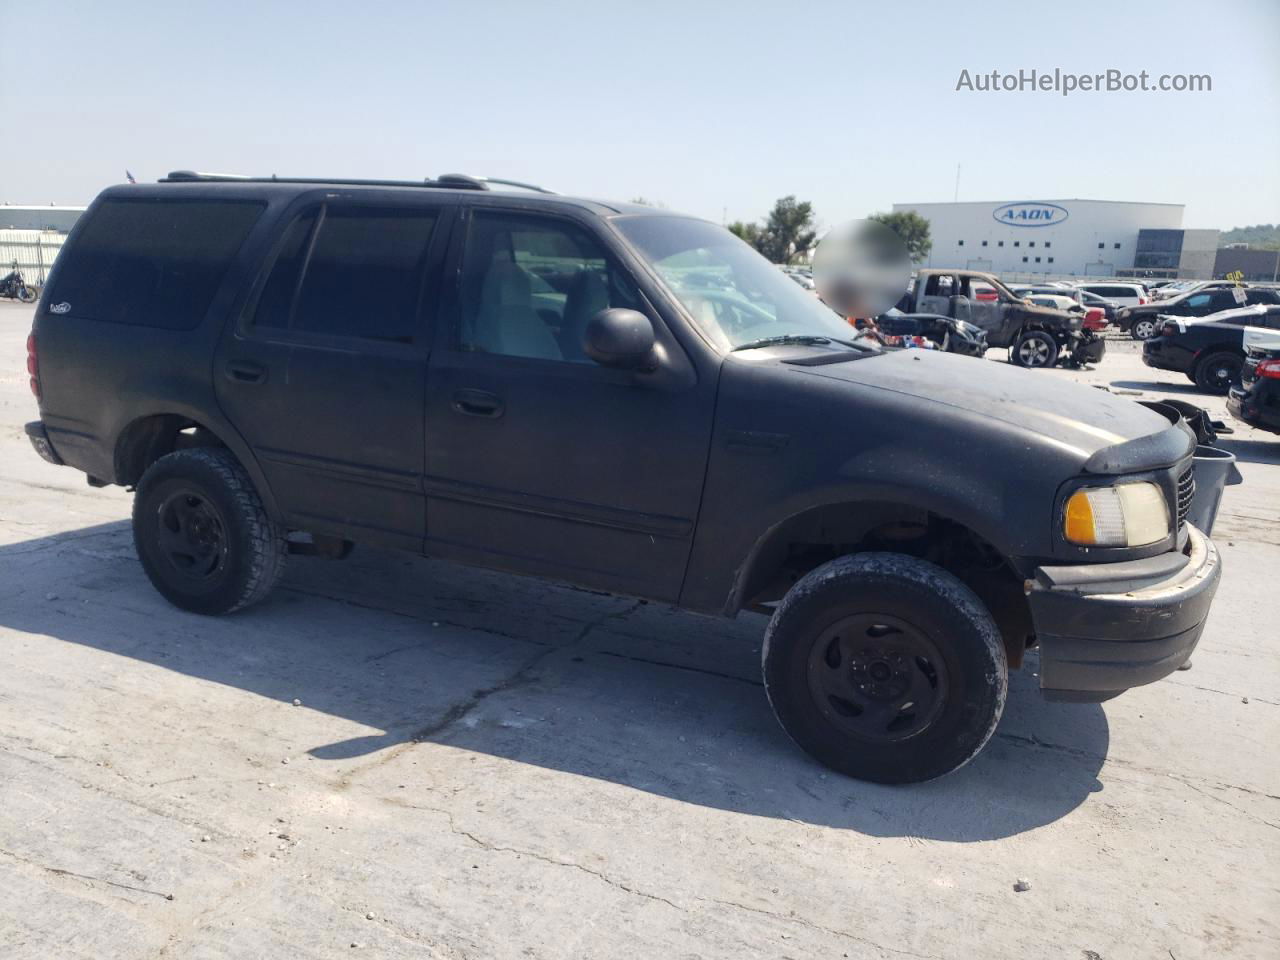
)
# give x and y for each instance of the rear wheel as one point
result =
(1033, 349)
(1143, 329)
(885, 667)
(1218, 371)
(202, 533)
(26, 294)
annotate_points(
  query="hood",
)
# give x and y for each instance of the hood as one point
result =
(1085, 419)
(1050, 315)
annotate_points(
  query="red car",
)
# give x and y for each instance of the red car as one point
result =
(1095, 319)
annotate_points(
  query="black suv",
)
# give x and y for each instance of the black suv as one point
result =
(1144, 321)
(628, 400)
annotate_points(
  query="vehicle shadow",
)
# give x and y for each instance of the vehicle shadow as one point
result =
(1160, 386)
(586, 683)
(1251, 451)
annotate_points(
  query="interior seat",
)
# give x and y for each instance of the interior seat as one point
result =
(507, 322)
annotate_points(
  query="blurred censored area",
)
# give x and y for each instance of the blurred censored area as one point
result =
(861, 268)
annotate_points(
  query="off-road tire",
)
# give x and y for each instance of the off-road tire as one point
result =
(1208, 372)
(251, 552)
(973, 675)
(1026, 353)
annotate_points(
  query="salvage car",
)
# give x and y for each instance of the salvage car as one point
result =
(1256, 399)
(555, 387)
(1036, 336)
(1211, 350)
(895, 329)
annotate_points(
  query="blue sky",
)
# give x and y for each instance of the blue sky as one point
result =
(707, 108)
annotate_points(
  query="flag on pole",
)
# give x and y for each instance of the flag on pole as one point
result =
(129, 176)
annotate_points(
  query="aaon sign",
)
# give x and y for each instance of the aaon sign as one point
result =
(1030, 214)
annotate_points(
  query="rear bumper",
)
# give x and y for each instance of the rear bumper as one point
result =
(1103, 628)
(39, 438)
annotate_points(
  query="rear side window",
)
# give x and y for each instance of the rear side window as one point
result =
(349, 272)
(152, 263)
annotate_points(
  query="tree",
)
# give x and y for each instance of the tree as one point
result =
(911, 228)
(749, 232)
(787, 235)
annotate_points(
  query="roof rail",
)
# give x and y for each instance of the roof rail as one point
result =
(456, 181)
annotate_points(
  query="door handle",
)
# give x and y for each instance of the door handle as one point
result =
(242, 371)
(478, 403)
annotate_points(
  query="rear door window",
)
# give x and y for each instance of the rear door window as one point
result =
(152, 262)
(349, 272)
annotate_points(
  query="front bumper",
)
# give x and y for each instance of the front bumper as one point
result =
(1154, 355)
(1103, 628)
(1090, 350)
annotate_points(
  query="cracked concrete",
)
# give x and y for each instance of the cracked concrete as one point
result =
(503, 768)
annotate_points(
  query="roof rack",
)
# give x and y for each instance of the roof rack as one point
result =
(454, 181)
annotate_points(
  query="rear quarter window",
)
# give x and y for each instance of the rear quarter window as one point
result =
(152, 262)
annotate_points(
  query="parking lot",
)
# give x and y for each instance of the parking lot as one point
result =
(400, 757)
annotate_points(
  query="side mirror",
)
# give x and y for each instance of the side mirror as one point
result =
(620, 338)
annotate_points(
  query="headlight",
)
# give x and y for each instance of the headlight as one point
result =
(1126, 515)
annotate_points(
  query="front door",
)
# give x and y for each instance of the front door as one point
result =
(537, 459)
(325, 375)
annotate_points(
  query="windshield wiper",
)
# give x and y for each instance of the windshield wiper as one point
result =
(805, 339)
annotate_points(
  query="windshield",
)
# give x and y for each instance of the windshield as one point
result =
(734, 295)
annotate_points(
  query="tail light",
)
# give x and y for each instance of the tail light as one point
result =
(1269, 369)
(1141, 301)
(33, 366)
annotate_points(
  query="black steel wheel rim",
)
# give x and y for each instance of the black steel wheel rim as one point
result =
(877, 677)
(1222, 375)
(191, 535)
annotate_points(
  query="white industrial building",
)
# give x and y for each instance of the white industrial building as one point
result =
(1068, 238)
(31, 236)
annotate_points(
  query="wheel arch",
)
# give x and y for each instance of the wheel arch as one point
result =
(966, 547)
(148, 437)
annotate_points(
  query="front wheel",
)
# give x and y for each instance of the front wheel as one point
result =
(1143, 329)
(885, 667)
(1035, 349)
(26, 294)
(1218, 371)
(202, 533)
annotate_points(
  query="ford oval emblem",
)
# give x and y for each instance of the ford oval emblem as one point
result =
(1029, 214)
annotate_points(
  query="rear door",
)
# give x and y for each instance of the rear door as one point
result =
(325, 373)
(1263, 331)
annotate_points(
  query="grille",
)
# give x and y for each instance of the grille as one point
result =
(1186, 492)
